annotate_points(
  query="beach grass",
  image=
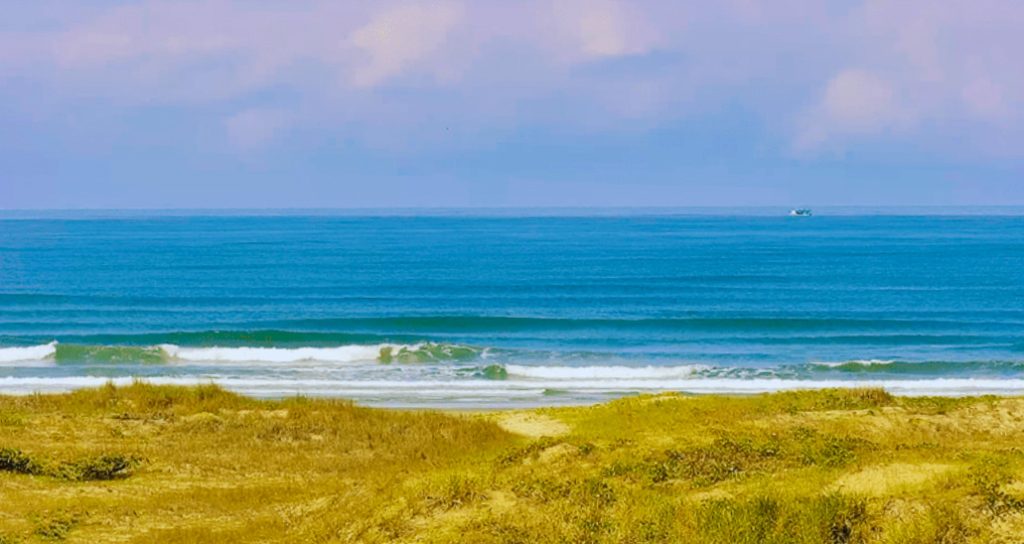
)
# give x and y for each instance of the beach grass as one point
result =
(164, 464)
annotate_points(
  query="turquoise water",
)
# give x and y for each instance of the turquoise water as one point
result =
(456, 308)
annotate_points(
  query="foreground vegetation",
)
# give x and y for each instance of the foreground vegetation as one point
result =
(161, 464)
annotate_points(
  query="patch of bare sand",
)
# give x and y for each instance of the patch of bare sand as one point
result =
(881, 480)
(997, 418)
(532, 425)
(1003, 417)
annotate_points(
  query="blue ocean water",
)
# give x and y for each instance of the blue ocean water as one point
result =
(463, 308)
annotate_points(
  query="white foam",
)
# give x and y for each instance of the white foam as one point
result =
(28, 353)
(340, 354)
(431, 388)
(605, 372)
(485, 393)
(858, 362)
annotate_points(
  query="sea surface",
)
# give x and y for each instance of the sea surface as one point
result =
(456, 308)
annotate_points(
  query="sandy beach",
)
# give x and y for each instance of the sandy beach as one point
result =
(164, 464)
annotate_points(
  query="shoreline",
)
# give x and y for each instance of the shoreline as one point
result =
(508, 394)
(148, 463)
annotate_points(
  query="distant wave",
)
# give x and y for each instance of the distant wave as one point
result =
(936, 368)
(468, 323)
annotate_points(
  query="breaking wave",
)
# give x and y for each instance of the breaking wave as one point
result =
(856, 363)
(169, 353)
(27, 353)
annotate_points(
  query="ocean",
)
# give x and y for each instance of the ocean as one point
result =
(462, 308)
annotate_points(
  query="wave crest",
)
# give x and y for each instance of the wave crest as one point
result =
(164, 353)
(27, 353)
(856, 363)
(384, 353)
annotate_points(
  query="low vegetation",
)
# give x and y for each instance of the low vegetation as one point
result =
(162, 464)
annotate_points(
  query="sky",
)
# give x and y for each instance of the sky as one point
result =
(481, 103)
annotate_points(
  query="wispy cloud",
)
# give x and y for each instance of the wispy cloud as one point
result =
(823, 75)
(603, 28)
(396, 38)
(854, 101)
(920, 66)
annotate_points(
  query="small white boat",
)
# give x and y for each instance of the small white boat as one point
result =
(801, 212)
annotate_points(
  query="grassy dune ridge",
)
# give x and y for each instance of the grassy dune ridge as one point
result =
(164, 464)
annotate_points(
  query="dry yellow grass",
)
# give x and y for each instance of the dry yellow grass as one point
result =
(161, 464)
(892, 478)
(532, 425)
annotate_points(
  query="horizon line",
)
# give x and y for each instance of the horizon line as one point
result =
(79, 214)
(499, 208)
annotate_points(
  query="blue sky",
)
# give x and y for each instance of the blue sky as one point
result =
(452, 103)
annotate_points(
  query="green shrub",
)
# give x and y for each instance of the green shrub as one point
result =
(989, 475)
(55, 528)
(827, 450)
(12, 460)
(102, 467)
(702, 465)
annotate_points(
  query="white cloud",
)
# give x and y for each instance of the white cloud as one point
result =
(604, 28)
(399, 37)
(858, 100)
(846, 71)
(922, 65)
(602, 32)
(854, 101)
